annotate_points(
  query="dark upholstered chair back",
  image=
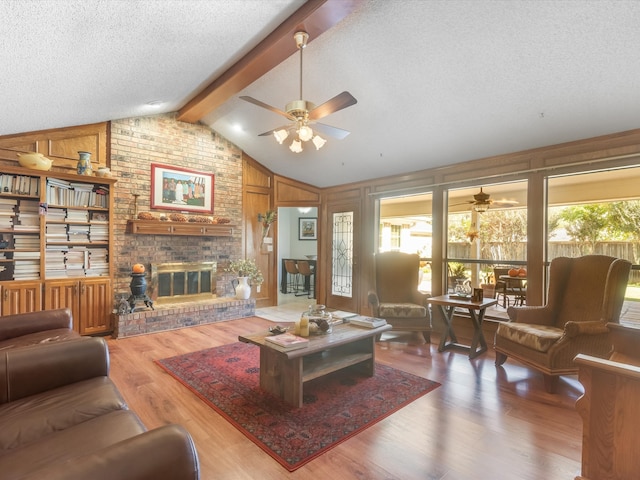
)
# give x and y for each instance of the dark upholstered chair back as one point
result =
(397, 276)
(396, 297)
(589, 288)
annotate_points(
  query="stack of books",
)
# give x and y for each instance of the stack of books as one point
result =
(287, 341)
(368, 322)
(28, 217)
(7, 213)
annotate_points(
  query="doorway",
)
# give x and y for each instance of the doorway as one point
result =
(297, 240)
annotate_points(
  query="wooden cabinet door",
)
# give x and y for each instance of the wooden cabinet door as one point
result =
(95, 306)
(63, 294)
(21, 297)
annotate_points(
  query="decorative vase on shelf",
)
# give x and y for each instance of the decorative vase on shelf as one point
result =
(84, 164)
(242, 288)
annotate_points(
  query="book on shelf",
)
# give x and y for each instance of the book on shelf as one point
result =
(288, 341)
(29, 206)
(365, 321)
(21, 184)
(101, 217)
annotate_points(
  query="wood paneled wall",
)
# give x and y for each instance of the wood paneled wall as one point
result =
(263, 190)
(257, 197)
(61, 145)
(609, 151)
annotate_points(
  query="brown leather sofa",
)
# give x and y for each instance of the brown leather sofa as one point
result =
(61, 417)
(26, 329)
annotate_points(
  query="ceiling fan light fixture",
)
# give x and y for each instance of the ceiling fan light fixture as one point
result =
(481, 207)
(305, 133)
(280, 135)
(319, 142)
(296, 146)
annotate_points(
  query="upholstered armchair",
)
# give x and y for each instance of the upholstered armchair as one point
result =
(585, 294)
(396, 297)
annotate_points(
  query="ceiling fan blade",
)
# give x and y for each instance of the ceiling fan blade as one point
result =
(340, 101)
(504, 203)
(330, 131)
(466, 202)
(268, 107)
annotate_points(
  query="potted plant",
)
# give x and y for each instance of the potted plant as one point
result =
(457, 273)
(248, 274)
(266, 220)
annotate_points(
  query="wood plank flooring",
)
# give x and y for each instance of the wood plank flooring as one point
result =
(482, 423)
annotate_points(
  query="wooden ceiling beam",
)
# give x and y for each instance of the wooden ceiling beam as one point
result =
(314, 17)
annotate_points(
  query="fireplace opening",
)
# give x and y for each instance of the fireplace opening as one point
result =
(183, 281)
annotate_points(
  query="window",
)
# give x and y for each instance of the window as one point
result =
(485, 233)
(597, 213)
(405, 226)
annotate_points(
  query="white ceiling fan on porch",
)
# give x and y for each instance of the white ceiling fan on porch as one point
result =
(304, 114)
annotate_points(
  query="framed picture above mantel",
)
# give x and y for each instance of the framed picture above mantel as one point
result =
(176, 188)
(307, 229)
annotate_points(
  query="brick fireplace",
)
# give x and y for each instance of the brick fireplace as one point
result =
(184, 294)
(136, 143)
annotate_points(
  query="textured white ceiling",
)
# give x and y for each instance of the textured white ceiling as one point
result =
(437, 82)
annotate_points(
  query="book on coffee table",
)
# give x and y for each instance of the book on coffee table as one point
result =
(365, 321)
(342, 315)
(287, 341)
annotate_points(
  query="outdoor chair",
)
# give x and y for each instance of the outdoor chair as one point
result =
(585, 294)
(395, 296)
(508, 287)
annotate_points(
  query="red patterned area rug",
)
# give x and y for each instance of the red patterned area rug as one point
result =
(336, 406)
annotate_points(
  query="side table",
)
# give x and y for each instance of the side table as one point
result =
(448, 304)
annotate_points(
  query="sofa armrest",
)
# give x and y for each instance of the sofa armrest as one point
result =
(29, 370)
(12, 326)
(166, 452)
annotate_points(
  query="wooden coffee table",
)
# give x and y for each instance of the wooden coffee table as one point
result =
(283, 373)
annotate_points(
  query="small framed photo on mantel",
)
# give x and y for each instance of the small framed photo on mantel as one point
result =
(175, 188)
(307, 229)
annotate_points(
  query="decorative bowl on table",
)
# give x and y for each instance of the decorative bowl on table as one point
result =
(320, 321)
(312, 257)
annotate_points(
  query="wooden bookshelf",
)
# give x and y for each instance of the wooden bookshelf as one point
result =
(57, 227)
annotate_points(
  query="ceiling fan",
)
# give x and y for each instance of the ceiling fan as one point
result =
(303, 113)
(482, 201)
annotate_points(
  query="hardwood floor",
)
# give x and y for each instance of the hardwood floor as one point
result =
(482, 423)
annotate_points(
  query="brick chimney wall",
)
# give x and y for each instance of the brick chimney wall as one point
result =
(138, 142)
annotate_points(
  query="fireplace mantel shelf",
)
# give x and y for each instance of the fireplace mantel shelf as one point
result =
(159, 227)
